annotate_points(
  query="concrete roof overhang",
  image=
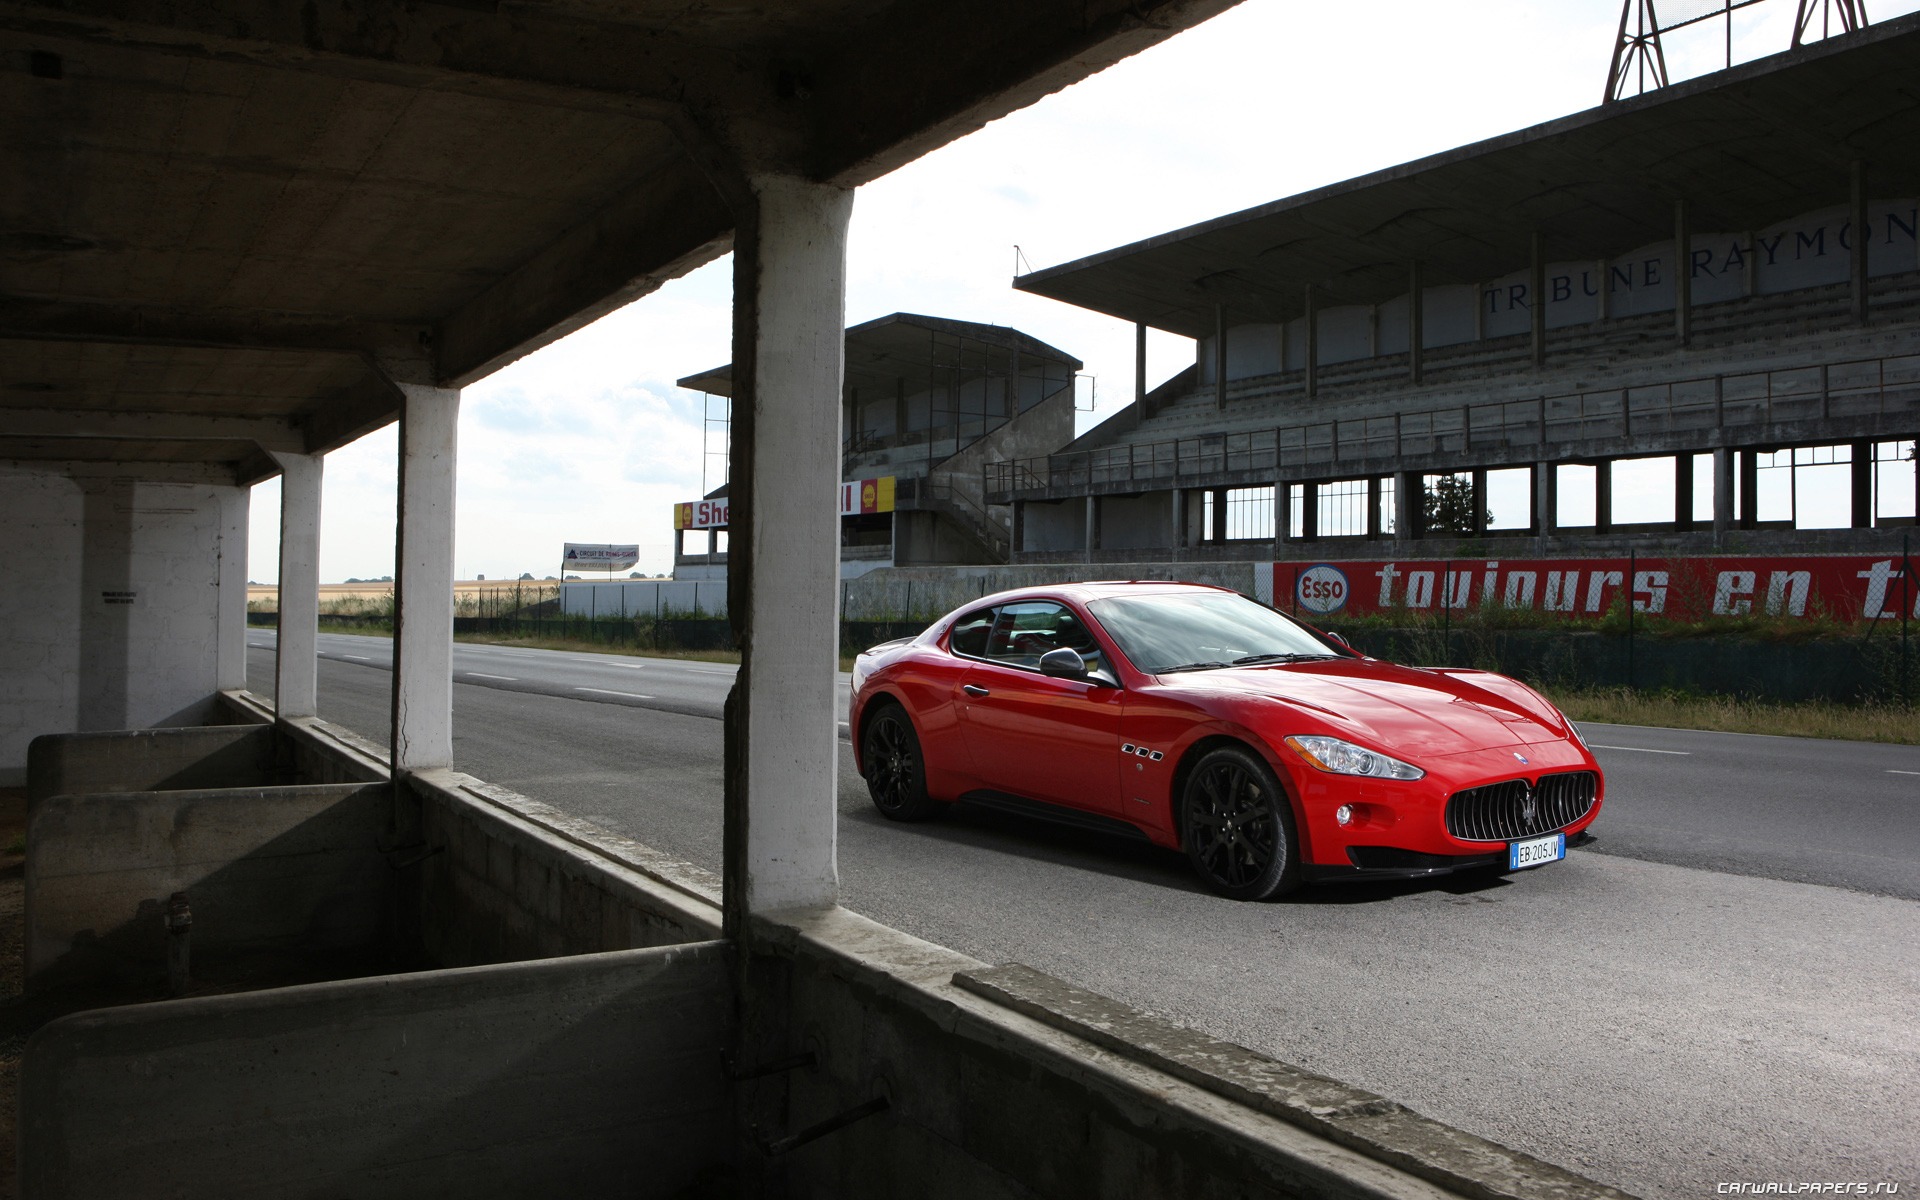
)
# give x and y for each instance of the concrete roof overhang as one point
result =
(901, 350)
(1744, 148)
(244, 210)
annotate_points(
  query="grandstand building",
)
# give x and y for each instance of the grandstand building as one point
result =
(930, 407)
(1684, 323)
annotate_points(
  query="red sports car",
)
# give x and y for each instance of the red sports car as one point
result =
(1271, 753)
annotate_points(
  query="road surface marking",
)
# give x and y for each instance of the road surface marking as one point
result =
(1891, 772)
(484, 675)
(605, 692)
(357, 657)
(1644, 750)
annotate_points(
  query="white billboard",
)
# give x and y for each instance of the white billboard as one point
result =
(599, 556)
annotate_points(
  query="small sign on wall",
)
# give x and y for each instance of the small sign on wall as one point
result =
(116, 597)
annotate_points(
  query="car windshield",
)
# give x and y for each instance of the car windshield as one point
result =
(1190, 631)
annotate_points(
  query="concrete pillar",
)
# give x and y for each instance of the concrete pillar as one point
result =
(1179, 520)
(790, 265)
(1543, 495)
(1219, 356)
(230, 672)
(1683, 492)
(1537, 299)
(1723, 515)
(296, 661)
(1140, 370)
(1406, 506)
(1603, 496)
(1016, 533)
(1092, 540)
(1311, 331)
(1683, 273)
(1862, 481)
(1861, 240)
(1416, 321)
(423, 579)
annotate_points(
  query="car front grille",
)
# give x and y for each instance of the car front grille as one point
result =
(1501, 812)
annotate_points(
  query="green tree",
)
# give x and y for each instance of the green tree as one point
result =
(1447, 506)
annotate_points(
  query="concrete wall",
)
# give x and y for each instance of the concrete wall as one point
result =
(507, 878)
(268, 871)
(141, 760)
(600, 1075)
(1136, 522)
(1046, 526)
(646, 597)
(113, 602)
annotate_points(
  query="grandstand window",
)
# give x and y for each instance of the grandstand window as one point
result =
(1894, 493)
(1449, 503)
(1248, 514)
(1296, 510)
(1509, 499)
(1387, 513)
(1643, 491)
(1805, 487)
(1341, 508)
(1576, 495)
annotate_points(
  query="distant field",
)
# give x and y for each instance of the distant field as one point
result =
(370, 591)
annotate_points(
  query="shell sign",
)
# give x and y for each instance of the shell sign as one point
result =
(857, 497)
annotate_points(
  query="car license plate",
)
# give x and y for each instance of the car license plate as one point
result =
(1535, 851)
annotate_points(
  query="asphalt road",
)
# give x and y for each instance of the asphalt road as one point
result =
(1728, 993)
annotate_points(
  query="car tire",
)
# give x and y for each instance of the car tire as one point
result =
(1237, 826)
(896, 771)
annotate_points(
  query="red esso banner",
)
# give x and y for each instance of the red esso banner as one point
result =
(1847, 588)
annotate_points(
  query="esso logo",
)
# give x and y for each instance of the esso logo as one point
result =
(1321, 589)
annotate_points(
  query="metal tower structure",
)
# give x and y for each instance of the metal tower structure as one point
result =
(1848, 14)
(1640, 62)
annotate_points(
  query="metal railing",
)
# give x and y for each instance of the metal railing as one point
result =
(942, 496)
(1857, 388)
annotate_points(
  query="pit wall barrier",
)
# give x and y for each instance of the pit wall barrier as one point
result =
(594, 1075)
(826, 1056)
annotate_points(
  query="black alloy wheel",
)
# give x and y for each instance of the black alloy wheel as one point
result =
(1237, 826)
(896, 773)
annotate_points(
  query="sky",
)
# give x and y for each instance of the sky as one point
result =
(588, 439)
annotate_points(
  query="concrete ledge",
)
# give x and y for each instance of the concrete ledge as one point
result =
(268, 870)
(504, 877)
(595, 1075)
(142, 760)
(987, 1101)
(1372, 1124)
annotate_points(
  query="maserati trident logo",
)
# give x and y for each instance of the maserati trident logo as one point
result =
(1529, 808)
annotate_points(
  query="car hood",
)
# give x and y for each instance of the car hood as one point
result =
(1402, 710)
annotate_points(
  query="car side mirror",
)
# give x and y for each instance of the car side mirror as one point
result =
(1336, 638)
(1063, 664)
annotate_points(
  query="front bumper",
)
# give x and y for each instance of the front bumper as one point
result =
(1391, 862)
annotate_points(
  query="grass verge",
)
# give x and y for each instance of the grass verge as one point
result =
(1729, 714)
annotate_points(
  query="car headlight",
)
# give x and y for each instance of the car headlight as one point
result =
(1336, 757)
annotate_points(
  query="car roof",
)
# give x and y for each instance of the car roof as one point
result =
(1083, 592)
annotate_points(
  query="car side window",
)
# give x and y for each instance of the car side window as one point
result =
(1030, 628)
(970, 632)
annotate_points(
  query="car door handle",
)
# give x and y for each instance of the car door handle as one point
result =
(971, 690)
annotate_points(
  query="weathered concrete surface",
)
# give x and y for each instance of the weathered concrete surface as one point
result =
(139, 760)
(1372, 1124)
(986, 1101)
(599, 1075)
(508, 878)
(288, 870)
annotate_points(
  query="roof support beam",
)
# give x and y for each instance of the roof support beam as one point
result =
(1537, 295)
(1683, 272)
(269, 433)
(151, 325)
(1416, 320)
(1862, 239)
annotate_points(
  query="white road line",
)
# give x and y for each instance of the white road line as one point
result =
(1893, 772)
(484, 675)
(357, 657)
(605, 692)
(1644, 750)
